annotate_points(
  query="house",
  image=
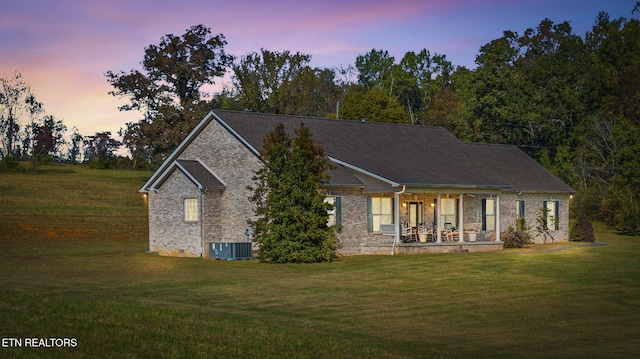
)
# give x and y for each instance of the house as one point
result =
(396, 188)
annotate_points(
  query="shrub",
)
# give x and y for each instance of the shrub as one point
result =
(582, 230)
(516, 238)
(521, 225)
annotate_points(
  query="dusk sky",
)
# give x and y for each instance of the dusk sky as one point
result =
(63, 48)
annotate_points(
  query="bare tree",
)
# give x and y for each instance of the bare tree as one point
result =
(15, 97)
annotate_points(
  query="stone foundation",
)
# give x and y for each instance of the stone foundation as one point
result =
(419, 248)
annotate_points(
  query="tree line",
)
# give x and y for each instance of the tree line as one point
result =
(27, 133)
(570, 101)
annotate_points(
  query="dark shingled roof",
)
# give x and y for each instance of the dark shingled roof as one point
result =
(200, 174)
(405, 154)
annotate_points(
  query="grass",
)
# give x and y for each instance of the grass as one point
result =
(73, 264)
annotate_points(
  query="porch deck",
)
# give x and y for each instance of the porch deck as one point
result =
(475, 240)
(430, 247)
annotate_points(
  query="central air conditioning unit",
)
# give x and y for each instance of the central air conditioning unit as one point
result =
(231, 250)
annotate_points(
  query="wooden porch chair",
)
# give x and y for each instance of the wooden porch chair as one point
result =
(450, 235)
(408, 234)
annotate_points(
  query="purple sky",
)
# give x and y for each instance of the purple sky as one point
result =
(63, 48)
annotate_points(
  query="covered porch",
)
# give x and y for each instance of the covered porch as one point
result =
(442, 220)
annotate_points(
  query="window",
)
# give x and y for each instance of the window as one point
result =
(379, 211)
(519, 209)
(488, 214)
(552, 214)
(449, 209)
(335, 214)
(520, 220)
(191, 209)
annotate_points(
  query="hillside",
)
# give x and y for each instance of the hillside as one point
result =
(73, 202)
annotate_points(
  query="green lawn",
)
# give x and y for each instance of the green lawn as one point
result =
(73, 264)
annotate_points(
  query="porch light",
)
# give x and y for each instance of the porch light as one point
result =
(404, 205)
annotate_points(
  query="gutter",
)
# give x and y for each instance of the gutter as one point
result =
(396, 211)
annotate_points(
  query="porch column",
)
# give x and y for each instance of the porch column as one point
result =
(498, 218)
(461, 220)
(396, 218)
(438, 219)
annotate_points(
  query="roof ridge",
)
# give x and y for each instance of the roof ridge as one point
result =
(489, 144)
(306, 118)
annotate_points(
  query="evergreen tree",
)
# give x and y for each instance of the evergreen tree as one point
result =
(582, 229)
(291, 214)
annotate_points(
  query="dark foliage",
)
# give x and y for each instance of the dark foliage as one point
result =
(291, 214)
(582, 230)
(168, 90)
(100, 150)
(569, 100)
(516, 238)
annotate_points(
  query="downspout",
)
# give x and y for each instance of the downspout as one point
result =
(396, 213)
(202, 192)
(498, 218)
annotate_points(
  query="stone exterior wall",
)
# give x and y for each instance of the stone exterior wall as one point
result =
(225, 212)
(212, 214)
(533, 204)
(235, 164)
(169, 233)
(353, 232)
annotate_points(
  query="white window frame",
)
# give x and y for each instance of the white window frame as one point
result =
(490, 214)
(448, 211)
(381, 212)
(191, 211)
(520, 208)
(552, 216)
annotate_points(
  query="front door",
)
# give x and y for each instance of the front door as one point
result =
(415, 214)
